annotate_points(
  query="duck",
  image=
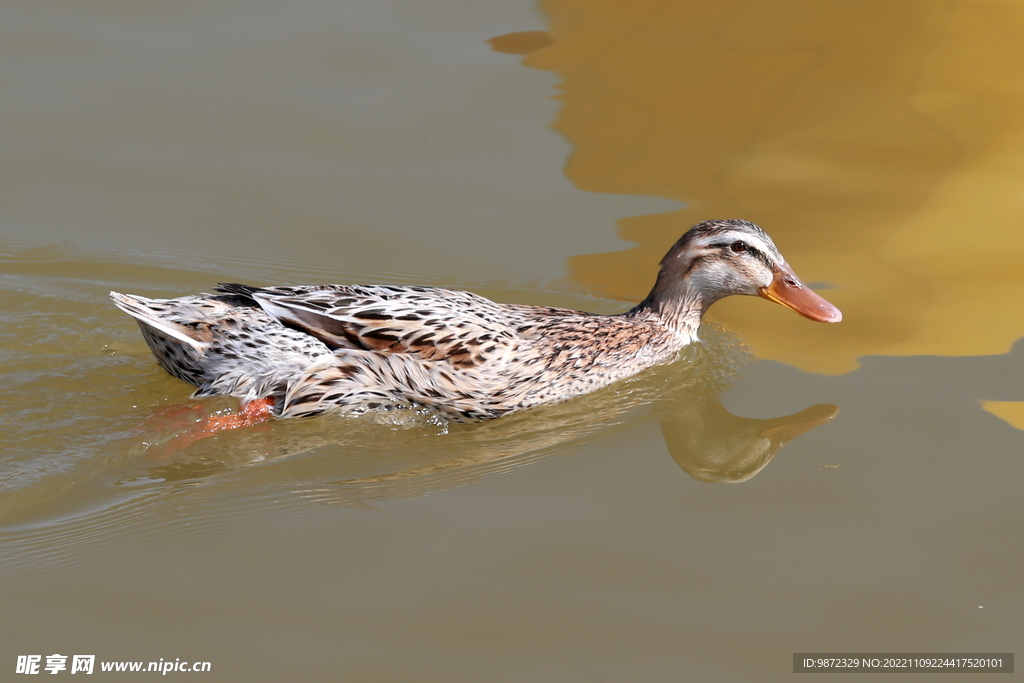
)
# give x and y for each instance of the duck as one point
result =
(302, 351)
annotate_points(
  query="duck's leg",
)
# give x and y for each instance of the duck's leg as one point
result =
(252, 413)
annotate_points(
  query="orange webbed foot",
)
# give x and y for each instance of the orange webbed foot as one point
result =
(252, 413)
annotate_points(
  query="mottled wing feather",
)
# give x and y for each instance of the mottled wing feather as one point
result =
(433, 324)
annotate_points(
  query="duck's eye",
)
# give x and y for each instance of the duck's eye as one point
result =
(738, 246)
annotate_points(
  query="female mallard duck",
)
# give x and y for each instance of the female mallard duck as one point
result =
(302, 351)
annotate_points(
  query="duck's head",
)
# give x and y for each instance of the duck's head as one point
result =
(716, 259)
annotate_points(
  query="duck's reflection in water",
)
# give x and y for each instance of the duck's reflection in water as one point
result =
(403, 454)
(711, 444)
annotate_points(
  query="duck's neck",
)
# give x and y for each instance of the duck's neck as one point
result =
(678, 300)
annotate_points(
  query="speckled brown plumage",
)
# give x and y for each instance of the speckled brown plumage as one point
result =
(317, 348)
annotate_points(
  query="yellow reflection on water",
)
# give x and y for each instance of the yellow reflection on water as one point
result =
(1010, 412)
(880, 143)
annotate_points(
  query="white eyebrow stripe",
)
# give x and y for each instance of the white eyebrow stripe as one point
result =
(730, 236)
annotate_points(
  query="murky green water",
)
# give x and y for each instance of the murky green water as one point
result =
(784, 487)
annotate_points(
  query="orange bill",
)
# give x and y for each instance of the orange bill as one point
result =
(786, 289)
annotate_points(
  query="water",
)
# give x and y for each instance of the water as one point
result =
(784, 487)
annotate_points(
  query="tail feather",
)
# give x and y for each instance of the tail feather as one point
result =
(152, 313)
